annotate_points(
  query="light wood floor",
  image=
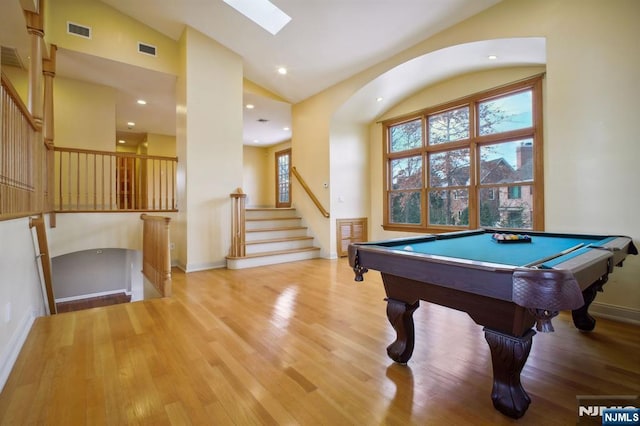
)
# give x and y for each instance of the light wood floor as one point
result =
(300, 343)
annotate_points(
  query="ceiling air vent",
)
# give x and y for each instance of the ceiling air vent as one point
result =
(147, 49)
(79, 30)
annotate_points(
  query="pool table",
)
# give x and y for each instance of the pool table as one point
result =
(505, 285)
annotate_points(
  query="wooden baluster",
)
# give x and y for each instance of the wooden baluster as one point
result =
(237, 224)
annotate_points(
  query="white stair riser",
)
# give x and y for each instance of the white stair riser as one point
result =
(280, 233)
(267, 224)
(278, 245)
(266, 214)
(251, 262)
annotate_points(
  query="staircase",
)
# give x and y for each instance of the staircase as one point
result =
(273, 235)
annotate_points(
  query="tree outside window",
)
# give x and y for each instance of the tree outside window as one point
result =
(464, 175)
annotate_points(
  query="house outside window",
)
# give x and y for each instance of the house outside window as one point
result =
(475, 162)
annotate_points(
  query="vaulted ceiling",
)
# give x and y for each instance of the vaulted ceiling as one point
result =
(325, 42)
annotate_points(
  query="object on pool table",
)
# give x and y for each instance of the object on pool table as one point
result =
(502, 238)
(408, 248)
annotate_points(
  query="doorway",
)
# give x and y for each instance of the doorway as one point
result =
(283, 178)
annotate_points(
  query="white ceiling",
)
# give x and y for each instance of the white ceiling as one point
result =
(326, 42)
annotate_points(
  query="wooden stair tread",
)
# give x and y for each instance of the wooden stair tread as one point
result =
(274, 253)
(279, 240)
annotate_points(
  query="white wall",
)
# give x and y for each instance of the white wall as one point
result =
(21, 296)
(91, 273)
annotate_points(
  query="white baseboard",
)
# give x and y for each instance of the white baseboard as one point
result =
(194, 267)
(90, 295)
(10, 353)
(617, 313)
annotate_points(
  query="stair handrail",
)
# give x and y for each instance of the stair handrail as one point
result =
(310, 193)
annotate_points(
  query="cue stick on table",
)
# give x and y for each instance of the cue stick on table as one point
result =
(548, 258)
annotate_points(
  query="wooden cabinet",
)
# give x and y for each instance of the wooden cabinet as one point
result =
(350, 231)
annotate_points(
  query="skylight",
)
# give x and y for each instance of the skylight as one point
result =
(262, 12)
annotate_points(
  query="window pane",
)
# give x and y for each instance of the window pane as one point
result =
(449, 207)
(507, 162)
(507, 113)
(450, 168)
(406, 173)
(449, 126)
(503, 211)
(406, 136)
(405, 207)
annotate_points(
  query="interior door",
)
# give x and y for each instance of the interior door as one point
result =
(283, 178)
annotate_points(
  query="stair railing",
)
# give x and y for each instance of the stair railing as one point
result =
(22, 157)
(238, 199)
(310, 193)
(156, 252)
(45, 260)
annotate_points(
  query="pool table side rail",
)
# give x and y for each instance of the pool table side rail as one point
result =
(491, 279)
(482, 278)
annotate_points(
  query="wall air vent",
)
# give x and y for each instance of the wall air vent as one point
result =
(147, 49)
(79, 30)
(11, 58)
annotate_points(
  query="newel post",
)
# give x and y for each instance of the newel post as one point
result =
(237, 223)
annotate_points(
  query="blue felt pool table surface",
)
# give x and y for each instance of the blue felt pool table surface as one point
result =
(483, 248)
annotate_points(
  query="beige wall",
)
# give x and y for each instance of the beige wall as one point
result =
(590, 137)
(19, 80)
(163, 145)
(350, 164)
(210, 167)
(254, 176)
(85, 115)
(108, 40)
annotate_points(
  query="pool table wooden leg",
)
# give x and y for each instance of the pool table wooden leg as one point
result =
(581, 318)
(400, 315)
(509, 355)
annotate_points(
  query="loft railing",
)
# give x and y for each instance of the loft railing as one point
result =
(23, 166)
(156, 252)
(310, 193)
(103, 181)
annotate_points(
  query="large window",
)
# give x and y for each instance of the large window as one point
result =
(475, 162)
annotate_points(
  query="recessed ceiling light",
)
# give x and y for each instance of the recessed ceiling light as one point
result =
(131, 124)
(141, 102)
(121, 141)
(262, 12)
(492, 57)
(250, 106)
(379, 99)
(286, 129)
(256, 141)
(282, 70)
